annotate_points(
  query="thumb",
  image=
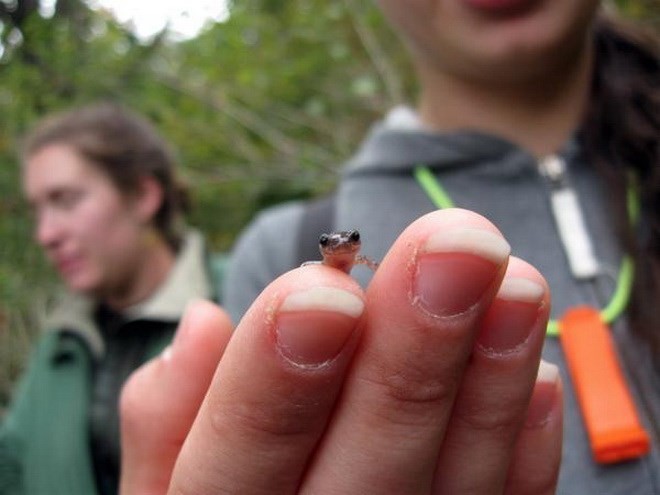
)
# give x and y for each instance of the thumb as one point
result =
(160, 400)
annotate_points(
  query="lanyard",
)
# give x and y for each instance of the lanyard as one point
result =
(617, 304)
(611, 419)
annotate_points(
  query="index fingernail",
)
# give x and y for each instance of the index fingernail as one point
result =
(313, 325)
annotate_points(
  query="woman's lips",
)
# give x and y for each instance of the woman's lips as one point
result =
(501, 7)
(68, 265)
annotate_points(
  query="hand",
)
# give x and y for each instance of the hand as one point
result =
(425, 383)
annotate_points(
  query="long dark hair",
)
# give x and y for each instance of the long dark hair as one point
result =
(126, 147)
(622, 139)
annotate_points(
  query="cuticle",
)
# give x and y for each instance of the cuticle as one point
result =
(308, 367)
(538, 321)
(416, 302)
(539, 424)
(415, 299)
(272, 309)
(508, 353)
(311, 367)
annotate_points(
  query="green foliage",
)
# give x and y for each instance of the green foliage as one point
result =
(647, 11)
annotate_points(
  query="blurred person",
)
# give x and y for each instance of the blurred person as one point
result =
(108, 213)
(422, 379)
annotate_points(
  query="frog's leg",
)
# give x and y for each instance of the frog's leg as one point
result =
(363, 260)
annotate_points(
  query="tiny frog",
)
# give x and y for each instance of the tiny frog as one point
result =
(341, 250)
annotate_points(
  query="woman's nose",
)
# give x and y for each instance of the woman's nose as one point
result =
(48, 230)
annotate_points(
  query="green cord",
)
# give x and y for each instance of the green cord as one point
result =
(553, 328)
(621, 296)
(619, 301)
(433, 188)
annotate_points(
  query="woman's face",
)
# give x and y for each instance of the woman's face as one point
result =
(492, 40)
(90, 232)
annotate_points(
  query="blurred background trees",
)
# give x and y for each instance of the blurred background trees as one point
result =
(261, 108)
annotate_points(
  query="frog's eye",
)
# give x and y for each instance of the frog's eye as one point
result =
(354, 236)
(323, 239)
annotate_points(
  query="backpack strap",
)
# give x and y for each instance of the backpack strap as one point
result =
(318, 218)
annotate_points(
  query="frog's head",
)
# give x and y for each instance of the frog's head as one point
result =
(343, 242)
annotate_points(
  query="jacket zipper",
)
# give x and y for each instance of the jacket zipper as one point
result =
(569, 219)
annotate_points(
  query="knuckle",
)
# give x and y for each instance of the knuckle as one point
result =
(410, 393)
(263, 420)
(411, 389)
(191, 486)
(402, 407)
(184, 489)
(486, 416)
(540, 485)
(421, 371)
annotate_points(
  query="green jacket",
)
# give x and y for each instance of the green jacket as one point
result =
(45, 438)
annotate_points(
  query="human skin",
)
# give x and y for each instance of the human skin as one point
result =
(100, 240)
(423, 383)
(522, 74)
(461, 38)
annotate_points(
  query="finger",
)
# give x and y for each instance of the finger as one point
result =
(423, 306)
(537, 457)
(275, 388)
(160, 400)
(492, 402)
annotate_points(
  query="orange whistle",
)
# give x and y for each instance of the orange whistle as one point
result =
(612, 423)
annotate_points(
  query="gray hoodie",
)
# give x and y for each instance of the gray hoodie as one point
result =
(378, 195)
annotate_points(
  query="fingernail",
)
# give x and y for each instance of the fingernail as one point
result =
(512, 316)
(544, 397)
(185, 324)
(314, 325)
(167, 353)
(456, 268)
(182, 330)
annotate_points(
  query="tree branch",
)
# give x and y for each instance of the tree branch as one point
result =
(388, 74)
(242, 115)
(18, 15)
